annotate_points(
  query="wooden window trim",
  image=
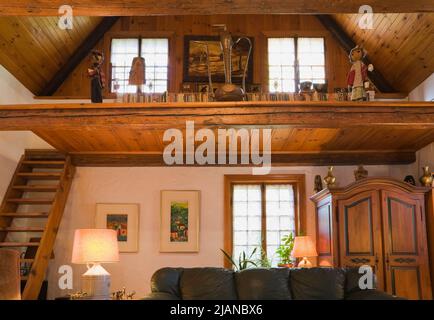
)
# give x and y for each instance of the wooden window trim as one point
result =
(294, 34)
(139, 35)
(298, 181)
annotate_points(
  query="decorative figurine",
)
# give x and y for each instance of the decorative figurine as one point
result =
(410, 179)
(360, 173)
(95, 73)
(123, 295)
(358, 75)
(330, 179)
(138, 73)
(318, 184)
(427, 179)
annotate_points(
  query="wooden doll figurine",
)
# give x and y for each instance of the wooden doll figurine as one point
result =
(358, 75)
(95, 73)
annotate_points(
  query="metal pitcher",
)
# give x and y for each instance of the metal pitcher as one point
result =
(229, 91)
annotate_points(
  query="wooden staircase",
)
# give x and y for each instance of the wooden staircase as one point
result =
(38, 172)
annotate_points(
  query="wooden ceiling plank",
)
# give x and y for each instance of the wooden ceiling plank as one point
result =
(347, 43)
(80, 53)
(207, 7)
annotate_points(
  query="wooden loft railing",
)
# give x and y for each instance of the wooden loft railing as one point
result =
(401, 114)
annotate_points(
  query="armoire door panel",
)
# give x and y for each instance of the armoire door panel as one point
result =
(402, 227)
(405, 245)
(360, 233)
(405, 282)
(324, 235)
(358, 228)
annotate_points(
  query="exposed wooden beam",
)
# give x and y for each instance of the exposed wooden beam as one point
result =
(347, 43)
(138, 159)
(403, 115)
(203, 7)
(80, 53)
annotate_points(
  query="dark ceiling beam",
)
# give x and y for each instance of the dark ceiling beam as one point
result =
(205, 7)
(80, 53)
(146, 159)
(347, 43)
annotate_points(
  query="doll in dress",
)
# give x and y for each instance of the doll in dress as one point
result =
(358, 75)
(95, 73)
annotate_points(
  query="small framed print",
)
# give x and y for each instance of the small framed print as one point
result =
(179, 227)
(124, 219)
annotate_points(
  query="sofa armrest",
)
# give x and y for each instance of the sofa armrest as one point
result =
(160, 296)
(371, 295)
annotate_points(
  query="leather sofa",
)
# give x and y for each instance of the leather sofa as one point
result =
(260, 284)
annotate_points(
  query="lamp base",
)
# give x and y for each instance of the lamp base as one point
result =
(304, 263)
(96, 283)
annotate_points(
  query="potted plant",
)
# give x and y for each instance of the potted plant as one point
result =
(243, 260)
(284, 251)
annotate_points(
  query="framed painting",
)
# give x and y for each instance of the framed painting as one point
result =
(124, 219)
(179, 227)
(195, 60)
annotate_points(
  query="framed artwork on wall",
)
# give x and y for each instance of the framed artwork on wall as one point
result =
(195, 60)
(124, 219)
(179, 226)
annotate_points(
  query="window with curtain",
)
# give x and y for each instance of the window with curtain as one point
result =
(155, 51)
(294, 60)
(261, 215)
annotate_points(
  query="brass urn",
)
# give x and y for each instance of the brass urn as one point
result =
(426, 179)
(330, 179)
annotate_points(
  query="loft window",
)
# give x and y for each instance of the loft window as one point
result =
(261, 213)
(294, 60)
(155, 51)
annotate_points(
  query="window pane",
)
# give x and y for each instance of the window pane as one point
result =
(280, 216)
(281, 64)
(247, 213)
(311, 59)
(156, 54)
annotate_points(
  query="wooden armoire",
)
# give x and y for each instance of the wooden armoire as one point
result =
(379, 222)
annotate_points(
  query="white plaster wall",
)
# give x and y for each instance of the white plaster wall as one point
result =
(425, 91)
(143, 186)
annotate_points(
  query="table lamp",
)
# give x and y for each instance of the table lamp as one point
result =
(93, 247)
(303, 248)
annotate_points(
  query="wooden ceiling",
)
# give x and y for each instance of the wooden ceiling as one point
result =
(400, 45)
(303, 133)
(33, 49)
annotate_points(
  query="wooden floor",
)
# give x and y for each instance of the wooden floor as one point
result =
(303, 133)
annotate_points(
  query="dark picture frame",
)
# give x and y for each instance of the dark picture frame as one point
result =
(195, 70)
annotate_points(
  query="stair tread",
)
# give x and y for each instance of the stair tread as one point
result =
(22, 229)
(19, 244)
(44, 163)
(25, 214)
(36, 188)
(40, 175)
(31, 200)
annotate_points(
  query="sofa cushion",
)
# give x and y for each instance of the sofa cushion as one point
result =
(207, 284)
(167, 280)
(263, 284)
(317, 284)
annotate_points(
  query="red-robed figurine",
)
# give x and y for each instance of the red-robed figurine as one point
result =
(358, 75)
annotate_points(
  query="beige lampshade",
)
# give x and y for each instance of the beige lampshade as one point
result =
(304, 247)
(95, 246)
